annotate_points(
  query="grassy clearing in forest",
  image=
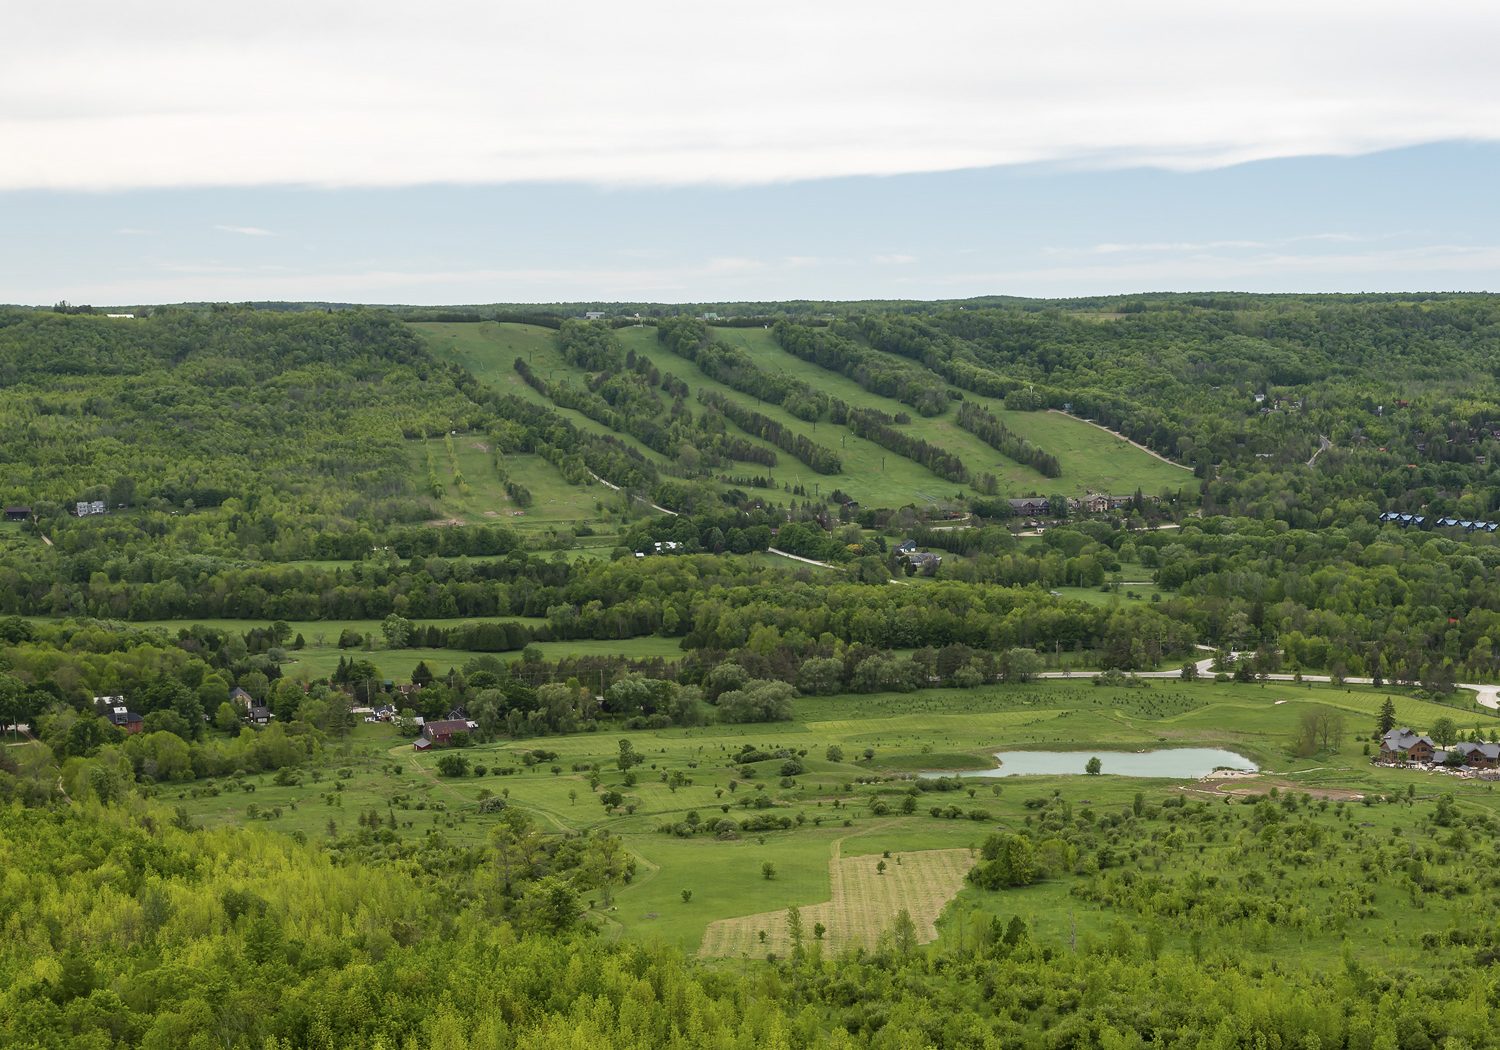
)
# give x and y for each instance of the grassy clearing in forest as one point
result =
(868, 893)
(473, 494)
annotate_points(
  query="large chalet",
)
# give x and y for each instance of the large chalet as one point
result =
(1403, 745)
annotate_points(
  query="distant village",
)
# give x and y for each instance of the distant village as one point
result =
(1422, 521)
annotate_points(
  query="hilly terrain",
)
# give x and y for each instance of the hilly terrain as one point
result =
(492, 676)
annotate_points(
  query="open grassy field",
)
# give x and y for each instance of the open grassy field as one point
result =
(474, 495)
(13, 534)
(867, 896)
(1091, 459)
(838, 829)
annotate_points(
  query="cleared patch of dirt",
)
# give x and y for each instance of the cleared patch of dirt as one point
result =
(446, 523)
(1259, 786)
(864, 905)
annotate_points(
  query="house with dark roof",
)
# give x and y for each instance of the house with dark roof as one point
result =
(240, 698)
(114, 710)
(1475, 754)
(441, 731)
(924, 562)
(1403, 745)
(260, 715)
(906, 547)
(1030, 506)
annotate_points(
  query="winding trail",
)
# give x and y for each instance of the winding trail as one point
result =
(642, 499)
(798, 557)
(1323, 446)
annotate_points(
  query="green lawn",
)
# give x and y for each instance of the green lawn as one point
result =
(942, 729)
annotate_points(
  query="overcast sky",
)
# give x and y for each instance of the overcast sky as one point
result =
(483, 151)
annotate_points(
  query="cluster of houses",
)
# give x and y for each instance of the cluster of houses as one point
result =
(1404, 747)
(81, 509)
(1422, 521)
(1092, 503)
(661, 547)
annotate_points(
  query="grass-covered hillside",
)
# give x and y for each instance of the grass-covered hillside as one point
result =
(1091, 458)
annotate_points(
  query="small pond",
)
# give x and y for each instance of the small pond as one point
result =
(1183, 763)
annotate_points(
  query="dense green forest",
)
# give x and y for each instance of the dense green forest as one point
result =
(715, 610)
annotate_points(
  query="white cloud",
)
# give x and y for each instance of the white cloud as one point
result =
(169, 282)
(895, 259)
(1170, 246)
(245, 231)
(105, 95)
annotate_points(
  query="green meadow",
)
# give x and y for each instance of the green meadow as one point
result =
(473, 494)
(854, 798)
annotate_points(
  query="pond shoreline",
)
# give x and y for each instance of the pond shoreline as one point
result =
(1179, 763)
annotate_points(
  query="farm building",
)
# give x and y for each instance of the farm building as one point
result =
(441, 732)
(17, 513)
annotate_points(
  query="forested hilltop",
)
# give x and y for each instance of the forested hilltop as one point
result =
(521, 677)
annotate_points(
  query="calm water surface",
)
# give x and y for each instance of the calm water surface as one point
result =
(1187, 763)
